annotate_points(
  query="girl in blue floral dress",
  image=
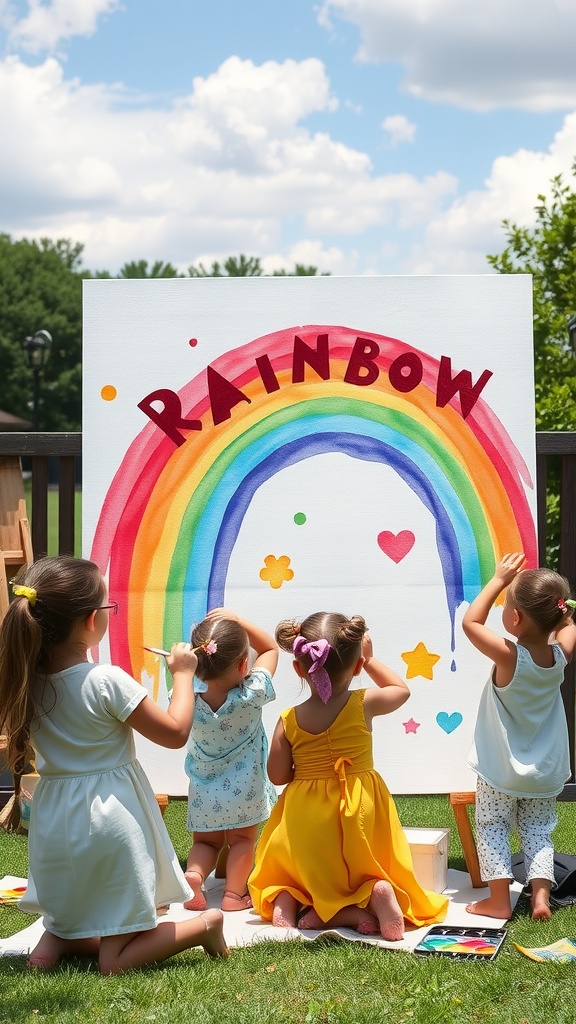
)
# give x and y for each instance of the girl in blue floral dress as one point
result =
(230, 793)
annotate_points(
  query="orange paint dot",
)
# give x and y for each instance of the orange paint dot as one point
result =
(108, 392)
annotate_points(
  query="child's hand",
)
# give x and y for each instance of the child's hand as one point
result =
(182, 659)
(509, 567)
(221, 613)
(367, 649)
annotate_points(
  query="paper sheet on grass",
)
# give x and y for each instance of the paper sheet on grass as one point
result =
(242, 928)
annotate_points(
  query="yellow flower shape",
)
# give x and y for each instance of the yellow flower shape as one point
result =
(277, 571)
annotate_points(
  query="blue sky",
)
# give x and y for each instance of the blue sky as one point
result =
(363, 136)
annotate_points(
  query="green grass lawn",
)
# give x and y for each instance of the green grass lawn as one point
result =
(326, 982)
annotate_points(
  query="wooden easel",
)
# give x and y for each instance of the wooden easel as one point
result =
(460, 803)
(15, 540)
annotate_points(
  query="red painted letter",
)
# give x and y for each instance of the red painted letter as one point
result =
(405, 382)
(318, 358)
(363, 357)
(169, 419)
(462, 383)
(223, 396)
(265, 370)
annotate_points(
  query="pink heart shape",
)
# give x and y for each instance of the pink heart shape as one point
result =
(396, 545)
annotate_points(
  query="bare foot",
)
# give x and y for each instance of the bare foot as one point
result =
(540, 907)
(491, 907)
(285, 910)
(48, 952)
(369, 925)
(355, 917)
(540, 899)
(198, 899)
(309, 921)
(214, 942)
(233, 901)
(384, 905)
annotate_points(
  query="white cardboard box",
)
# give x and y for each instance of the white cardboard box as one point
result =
(429, 849)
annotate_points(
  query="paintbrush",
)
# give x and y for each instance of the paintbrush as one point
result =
(210, 647)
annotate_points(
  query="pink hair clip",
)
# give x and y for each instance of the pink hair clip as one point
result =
(210, 647)
(562, 604)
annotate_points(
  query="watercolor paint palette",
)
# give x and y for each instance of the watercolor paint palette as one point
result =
(462, 943)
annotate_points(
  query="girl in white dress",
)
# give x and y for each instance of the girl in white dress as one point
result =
(100, 858)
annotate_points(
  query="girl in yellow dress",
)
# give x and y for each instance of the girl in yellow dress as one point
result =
(333, 852)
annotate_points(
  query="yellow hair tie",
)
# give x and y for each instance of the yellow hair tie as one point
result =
(27, 592)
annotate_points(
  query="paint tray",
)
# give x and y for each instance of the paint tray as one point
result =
(462, 943)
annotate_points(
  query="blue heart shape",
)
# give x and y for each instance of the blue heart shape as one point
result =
(449, 722)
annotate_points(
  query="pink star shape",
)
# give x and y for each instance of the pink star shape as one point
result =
(411, 725)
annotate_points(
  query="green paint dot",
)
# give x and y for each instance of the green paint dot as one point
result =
(299, 519)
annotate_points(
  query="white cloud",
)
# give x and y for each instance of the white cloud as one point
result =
(229, 168)
(309, 252)
(516, 53)
(458, 238)
(399, 129)
(48, 24)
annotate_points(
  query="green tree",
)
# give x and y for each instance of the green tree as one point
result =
(234, 266)
(301, 270)
(140, 268)
(547, 250)
(41, 289)
(247, 266)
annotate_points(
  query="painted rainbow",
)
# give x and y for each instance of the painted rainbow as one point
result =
(172, 513)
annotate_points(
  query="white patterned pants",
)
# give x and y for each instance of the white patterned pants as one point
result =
(497, 814)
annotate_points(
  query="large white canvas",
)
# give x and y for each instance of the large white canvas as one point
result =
(366, 487)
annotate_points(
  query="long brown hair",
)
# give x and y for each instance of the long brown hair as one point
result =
(60, 592)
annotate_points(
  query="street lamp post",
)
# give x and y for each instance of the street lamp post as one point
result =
(37, 350)
(572, 332)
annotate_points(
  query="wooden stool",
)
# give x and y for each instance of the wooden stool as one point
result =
(460, 803)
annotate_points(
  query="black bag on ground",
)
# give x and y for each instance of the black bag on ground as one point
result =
(564, 893)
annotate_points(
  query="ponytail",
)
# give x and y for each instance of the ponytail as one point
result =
(50, 596)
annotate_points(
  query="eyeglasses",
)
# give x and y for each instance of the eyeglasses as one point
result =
(113, 607)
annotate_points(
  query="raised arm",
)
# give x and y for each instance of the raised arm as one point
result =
(565, 635)
(170, 728)
(500, 650)
(392, 691)
(260, 641)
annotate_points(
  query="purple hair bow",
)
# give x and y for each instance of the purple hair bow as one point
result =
(318, 651)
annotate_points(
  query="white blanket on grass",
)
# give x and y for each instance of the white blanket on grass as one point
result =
(243, 927)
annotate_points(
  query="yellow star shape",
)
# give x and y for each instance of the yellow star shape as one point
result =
(420, 662)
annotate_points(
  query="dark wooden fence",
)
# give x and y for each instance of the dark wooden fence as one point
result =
(555, 460)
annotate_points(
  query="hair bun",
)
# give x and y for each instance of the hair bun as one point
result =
(352, 630)
(286, 633)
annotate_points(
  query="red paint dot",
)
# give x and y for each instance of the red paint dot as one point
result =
(193, 342)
